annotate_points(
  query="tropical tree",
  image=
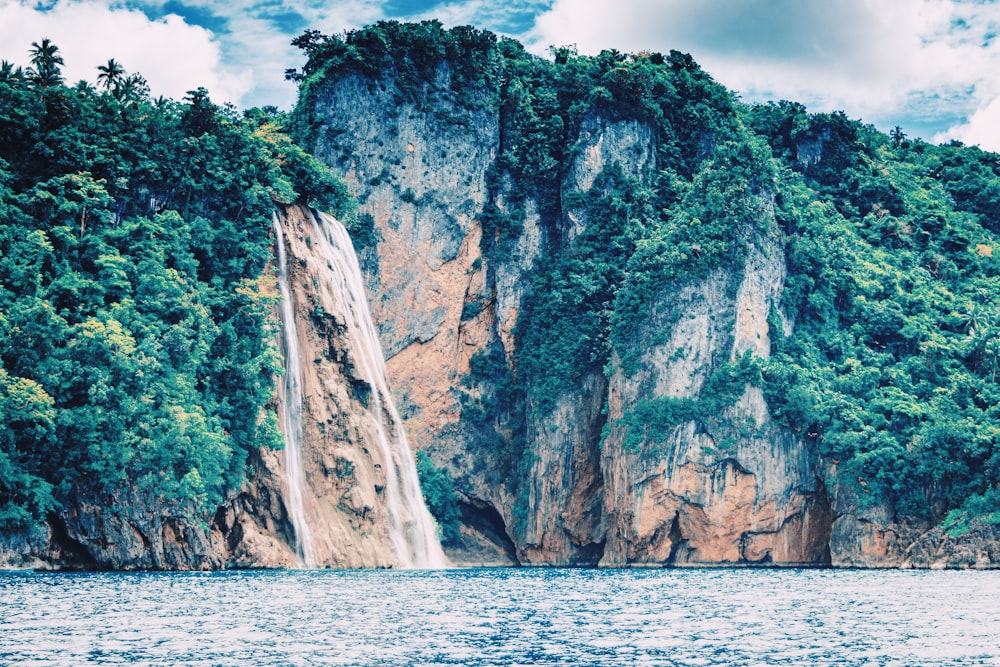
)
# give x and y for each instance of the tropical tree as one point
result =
(46, 62)
(897, 136)
(135, 307)
(110, 74)
(9, 73)
(131, 89)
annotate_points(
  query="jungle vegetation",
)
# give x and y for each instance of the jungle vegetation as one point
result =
(135, 332)
(136, 336)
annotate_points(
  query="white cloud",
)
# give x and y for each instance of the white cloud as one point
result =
(335, 17)
(887, 61)
(173, 56)
(928, 65)
(257, 36)
(982, 128)
(266, 53)
(271, 51)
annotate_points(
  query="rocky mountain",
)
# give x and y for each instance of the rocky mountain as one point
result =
(630, 422)
(627, 321)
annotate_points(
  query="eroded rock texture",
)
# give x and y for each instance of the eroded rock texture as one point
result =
(345, 474)
(567, 484)
(572, 500)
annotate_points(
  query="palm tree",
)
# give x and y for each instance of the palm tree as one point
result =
(46, 61)
(898, 136)
(10, 74)
(131, 89)
(83, 87)
(110, 74)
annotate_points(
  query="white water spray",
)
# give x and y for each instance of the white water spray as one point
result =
(291, 413)
(411, 529)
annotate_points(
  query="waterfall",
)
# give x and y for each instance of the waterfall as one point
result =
(291, 412)
(411, 529)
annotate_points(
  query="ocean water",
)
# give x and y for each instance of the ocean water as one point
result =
(502, 617)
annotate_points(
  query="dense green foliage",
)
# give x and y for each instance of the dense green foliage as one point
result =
(895, 294)
(892, 285)
(654, 418)
(136, 353)
(439, 496)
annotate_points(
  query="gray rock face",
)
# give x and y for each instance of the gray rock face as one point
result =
(628, 144)
(32, 548)
(736, 489)
(978, 548)
(421, 173)
(565, 522)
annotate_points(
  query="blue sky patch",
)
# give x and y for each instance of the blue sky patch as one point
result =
(289, 22)
(931, 71)
(199, 16)
(404, 8)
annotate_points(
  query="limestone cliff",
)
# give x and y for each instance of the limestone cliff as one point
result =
(733, 488)
(421, 174)
(756, 498)
(575, 478)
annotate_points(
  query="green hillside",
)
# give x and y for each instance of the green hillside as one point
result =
(136, 351)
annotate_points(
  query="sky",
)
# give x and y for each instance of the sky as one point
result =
(931, 67)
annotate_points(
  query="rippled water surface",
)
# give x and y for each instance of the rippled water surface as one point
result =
(503, 617)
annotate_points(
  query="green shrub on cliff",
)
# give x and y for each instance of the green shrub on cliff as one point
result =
(439, 495)
(653, 419)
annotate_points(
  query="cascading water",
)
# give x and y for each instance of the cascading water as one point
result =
(411, 528)
(291, 413)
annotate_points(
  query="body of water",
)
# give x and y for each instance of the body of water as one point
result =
(502, 617)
